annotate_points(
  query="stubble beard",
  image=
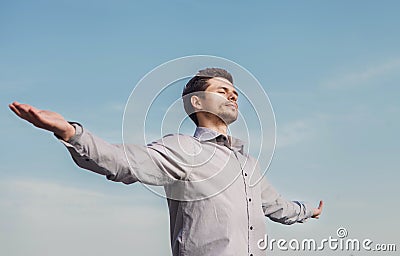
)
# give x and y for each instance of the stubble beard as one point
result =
(227, 115)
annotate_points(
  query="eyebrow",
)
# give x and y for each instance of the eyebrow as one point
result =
(227, 89)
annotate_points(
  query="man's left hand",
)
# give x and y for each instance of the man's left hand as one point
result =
(318, 211)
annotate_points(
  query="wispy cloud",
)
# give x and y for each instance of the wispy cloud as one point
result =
(293, 132)
(42, 218)
(361, 77)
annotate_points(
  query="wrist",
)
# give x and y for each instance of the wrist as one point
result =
(67, 133)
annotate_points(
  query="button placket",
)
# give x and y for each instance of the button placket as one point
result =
(248, 196)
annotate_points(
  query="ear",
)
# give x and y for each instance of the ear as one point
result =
(196, 102)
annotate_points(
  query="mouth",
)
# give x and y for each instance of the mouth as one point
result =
(233, 105)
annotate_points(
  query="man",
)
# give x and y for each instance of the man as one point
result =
(214, 209)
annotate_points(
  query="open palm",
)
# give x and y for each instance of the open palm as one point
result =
(44, 119)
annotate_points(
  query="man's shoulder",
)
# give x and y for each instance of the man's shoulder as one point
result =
(173, 135)
(175, 139)
(180, 147)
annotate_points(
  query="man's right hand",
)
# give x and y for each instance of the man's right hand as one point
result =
(44, 119)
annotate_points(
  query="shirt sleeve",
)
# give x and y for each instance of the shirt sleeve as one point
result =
(153, 164)
(281, 210)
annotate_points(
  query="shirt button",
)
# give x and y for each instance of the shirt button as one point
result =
(251, 227)
(249, 199)
(87, 159)
(251, 254)
(245, 174)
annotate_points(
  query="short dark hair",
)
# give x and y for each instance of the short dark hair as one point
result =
(200, 83)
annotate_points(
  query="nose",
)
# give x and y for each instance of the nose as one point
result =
(232, 97)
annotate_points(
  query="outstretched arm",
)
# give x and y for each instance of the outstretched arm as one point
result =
(283, 211)
(151, 164)
(44, 119)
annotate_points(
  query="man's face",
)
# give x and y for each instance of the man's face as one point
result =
(220, 99)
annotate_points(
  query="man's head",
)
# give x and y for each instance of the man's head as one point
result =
(210, 94)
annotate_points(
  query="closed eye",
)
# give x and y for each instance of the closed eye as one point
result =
(225, 89)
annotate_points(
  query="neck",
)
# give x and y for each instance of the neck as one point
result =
(220, 127)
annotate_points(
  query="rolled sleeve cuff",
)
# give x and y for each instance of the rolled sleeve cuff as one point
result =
(306, 211)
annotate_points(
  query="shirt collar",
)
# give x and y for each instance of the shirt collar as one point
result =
(207, 134)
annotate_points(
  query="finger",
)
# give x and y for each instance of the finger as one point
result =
(32, 107)
(22, 107)
(321, 204)
(25, 113)
(29, 108)
(22, 110)
(38, 119)
(15, 110)
(34, 111)
(15, 103)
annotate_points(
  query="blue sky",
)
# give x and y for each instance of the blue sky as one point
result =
(330, 68)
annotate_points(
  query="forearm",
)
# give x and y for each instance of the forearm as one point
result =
(288, 212)
(281, 210)
(94, 154)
